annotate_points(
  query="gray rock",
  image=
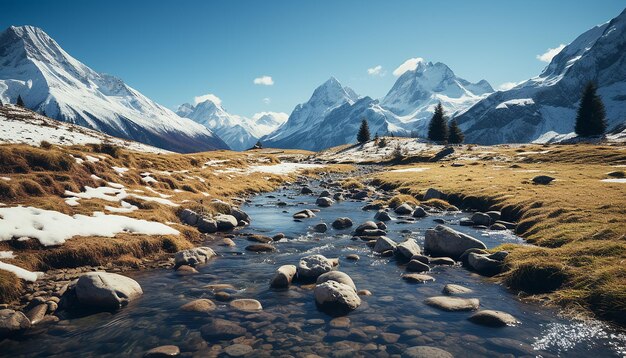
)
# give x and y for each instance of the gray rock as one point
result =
(283, 276)
(306, 190)
(466, 222)
(453, 304)
(342, 223)
(407, 249)
(360, 195)
(373, 233)
(372, 206)
(417, 266)
(417, 278)
(221, 329)
(508, 225)
(483, 264)
(542, 179)
(324, 202)
(368, 225)
(481, 219)
(353, 257)
(493, 318)
(260, 248)
(226, 222)
(499, 256)
(383, 244)
(452, 289)
(189, 217)
(421, 258)
(404, 209)
(337, 276)
(193, 257)
(382, 215)
(321, 227)
(463, 258)
(37, 313)
(419, 212)
(426, 352)
(206, 225)
(497, 227)
(238, 350)
(12, 322)
(336, 298)
(445, 241)
(240, 215)
(304, 214)
(246, 304)
(202, 305)
(432, 193)
(494, 215)
(163, 352)
(442, 261)
(311, 267)
(103, 290)
(326, 194)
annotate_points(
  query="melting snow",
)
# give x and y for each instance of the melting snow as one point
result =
(5, 178)
(20, 272)
(405, 170)
(120, 170)
(516, 102)
(615, 180)
(126, 208)
(282, 168)
(54, 228)
(92, 159)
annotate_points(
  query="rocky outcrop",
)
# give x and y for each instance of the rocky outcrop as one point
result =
(193, 257)
(284, 276)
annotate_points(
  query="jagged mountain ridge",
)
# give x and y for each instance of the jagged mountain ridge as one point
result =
(544, 107)
(49, 80)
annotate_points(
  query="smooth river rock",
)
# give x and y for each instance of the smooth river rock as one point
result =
(426, 352)
(453, 304)
(493, 318)
(193, 257)
(103, 290)
(12, 322)
(408, 249)
(336, 298)
(444, 241)
(246, 304)
(203, 305)
(337, 276)
(383, 243)
(163, 352)
(312, 266)
(283, 276)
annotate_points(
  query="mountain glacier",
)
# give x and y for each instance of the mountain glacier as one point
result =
(49, 80)
(334, 112)
(543, 108)
(240, 133)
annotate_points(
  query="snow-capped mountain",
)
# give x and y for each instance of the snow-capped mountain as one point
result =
(238, 132)
(330, 95)
(544, 107)
(334, 113)
(49, 80)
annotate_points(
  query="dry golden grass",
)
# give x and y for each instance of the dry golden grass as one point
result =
(577, 222)
(40, 178)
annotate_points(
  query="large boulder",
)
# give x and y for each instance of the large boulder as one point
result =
(240, 215)
(324, 201)
(189, 217)
(408, 249)
(226, 222)
(12, 322)
(404, 209)
(193, 257)
(481, 219)
(206, 225)
(483, 264)
(433, 193)
(336, 298)
(444, 241)
(283, 276)
(337, 276)
(383, 243)
(103, 290)
(312, 266)
(342, 223)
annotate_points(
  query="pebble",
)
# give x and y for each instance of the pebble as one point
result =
(238, 350)
(162, 352)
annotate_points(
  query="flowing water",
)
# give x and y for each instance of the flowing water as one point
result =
(391, 320)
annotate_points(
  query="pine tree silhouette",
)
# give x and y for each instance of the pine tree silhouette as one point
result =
(455, 135)
(591, 116)
(438, 128)
(364, 132)
(20, 101)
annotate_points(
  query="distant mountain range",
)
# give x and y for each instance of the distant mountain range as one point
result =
(541, 109)
(238, 132)
(49, 80)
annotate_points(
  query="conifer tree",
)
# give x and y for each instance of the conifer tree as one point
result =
(364, 132)
(591, 116)
(20, 101)
(455, 135)
(438, 127)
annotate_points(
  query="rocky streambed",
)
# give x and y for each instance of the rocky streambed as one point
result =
(315, 275)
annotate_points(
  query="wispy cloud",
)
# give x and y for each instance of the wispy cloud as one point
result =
(507, 86)
(209, 96)
(550, 53)
(408, 65)
(267, 100)
(264, 80)
(376, 71)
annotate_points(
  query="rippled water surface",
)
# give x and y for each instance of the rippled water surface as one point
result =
(391, 320)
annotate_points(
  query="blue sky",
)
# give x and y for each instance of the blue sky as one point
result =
(173, 51)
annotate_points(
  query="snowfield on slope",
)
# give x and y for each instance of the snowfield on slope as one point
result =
(20, 126)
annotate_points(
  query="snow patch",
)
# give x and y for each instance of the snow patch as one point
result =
(20, 272)
(516, 102)
(614, 180)
(408, 170)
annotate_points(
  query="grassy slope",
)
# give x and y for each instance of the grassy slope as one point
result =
(40, 176)
(578, 222)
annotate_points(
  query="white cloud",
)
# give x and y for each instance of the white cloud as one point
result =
(279, 116)
(408, 65)
(209, 96)
(376, 71)
(264, 80)
(550, 53)
(267, 100)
